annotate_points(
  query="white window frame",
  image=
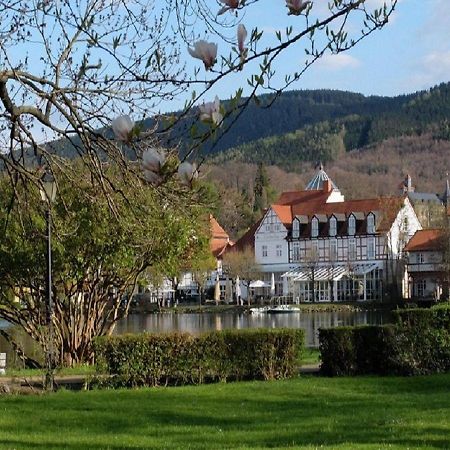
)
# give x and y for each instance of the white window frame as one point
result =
(351, 230)
(279, 250)
(352, 256)
(296, 252)
(333, 226)
(264, 251)
(314, 227)
(370, 224)
(296, 229)
(420, 258)
(371, 248)
(333, 254)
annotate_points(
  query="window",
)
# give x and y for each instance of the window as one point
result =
(279, 251)
(421, 287)
(314, 253)
(296, 229)
(370, 248)
(405, 224)
(314, 227)
(333, 226)
(351, 225)
(264, 251)
(296, 252)
(370, 224)
(351, 249)
(333, 250)
(420, 258)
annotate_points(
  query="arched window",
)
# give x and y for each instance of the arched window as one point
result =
(333, 226)
(296, 228)
(351, 225)
(314, 227)
(370, 224)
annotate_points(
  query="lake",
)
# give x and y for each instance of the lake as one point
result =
(198, 323)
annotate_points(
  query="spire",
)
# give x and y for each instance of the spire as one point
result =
(446, 196)
(318, 180)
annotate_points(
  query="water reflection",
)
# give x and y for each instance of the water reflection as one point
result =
(198, 323)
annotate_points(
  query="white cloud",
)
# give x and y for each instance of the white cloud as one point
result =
(432, 69)
(338, 62)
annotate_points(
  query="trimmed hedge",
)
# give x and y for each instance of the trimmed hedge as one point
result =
(418, 343)
(181, 358)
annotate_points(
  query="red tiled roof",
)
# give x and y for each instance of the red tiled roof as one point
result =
(316, 204)
(425, 240)
(293, 197)
(219, 238)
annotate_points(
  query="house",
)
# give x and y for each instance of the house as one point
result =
(428, 274)
(321, 247)
(428, 206)
(219, 243)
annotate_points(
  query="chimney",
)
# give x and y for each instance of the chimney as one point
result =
(327, 186)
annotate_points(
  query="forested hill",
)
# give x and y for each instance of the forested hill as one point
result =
(324, 124)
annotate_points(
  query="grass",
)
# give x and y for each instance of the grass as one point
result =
(307, 412)
(310, 356)
(76, 370)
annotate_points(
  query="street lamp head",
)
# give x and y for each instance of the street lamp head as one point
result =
(48, 187)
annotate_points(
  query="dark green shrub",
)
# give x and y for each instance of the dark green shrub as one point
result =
(179, 358)
(337, 351)
(418, 343)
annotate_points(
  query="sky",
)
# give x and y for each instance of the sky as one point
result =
(411, 53)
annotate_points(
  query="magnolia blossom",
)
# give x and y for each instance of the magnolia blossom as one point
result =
(241, 37)
(297, 6)
(187, 172)
(229, 5)
(210, 112)
(122, 127)
(152, 161)
(206, 51)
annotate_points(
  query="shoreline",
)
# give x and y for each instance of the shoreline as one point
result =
(234, 309)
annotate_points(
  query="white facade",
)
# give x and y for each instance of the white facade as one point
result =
(334, 256)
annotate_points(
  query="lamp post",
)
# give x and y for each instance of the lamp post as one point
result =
(48, 195)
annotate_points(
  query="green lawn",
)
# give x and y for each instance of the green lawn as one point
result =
(308, 412)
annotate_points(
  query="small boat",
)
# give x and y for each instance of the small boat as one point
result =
(282, 309)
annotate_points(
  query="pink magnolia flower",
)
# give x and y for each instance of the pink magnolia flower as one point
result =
(206, 51)
(152, 161)
(187, 172)
(297, 6)
(241, 37)
(229, 5)
(210, 112)
(122, 127)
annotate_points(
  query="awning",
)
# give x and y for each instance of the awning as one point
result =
(325, 273)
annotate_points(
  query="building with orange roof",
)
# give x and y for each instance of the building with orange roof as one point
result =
(321, 247)
(428, 275)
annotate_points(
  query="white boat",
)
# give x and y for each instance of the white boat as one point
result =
(282, 309)
(277, 309)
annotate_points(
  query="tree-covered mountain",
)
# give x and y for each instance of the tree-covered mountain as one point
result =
(312, 125)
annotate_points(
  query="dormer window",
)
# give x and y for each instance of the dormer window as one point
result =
(296, 229)
(370, 224)
(351, 225)
(333, 226)
(314, 227)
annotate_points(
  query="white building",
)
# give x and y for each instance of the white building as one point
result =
(426, 269)
(323, 248)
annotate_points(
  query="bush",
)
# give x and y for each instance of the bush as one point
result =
(418, 343)
(180, 358)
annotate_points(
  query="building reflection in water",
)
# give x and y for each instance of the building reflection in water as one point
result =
(198, 323)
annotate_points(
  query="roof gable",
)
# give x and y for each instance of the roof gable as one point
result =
(425, 240)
